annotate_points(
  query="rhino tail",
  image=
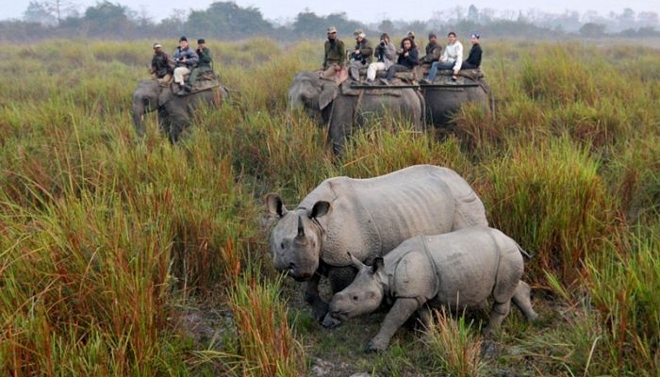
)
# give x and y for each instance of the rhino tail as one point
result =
(523, 252)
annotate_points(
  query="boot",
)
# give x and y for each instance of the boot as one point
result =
(184, 90)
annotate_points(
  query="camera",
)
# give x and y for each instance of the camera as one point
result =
(382, 43)
(181, 58)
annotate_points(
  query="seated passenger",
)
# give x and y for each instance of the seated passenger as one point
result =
(161, 67)
(361, 56)
(203, 66)
(408, 59)
(474, 58)
(451, 58)
(185, 59)
(411, 35)
(385, 53)
(433, 50)
(334, 56)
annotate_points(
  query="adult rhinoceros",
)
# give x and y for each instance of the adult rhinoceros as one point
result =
(366, 218)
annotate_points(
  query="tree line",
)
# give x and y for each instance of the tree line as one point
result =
(227, 20)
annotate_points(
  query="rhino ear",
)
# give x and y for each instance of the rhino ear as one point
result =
(378, 265)
(320, 209)
(328, 94)
(274, 205)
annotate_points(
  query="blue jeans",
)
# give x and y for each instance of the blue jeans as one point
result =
(438, 65)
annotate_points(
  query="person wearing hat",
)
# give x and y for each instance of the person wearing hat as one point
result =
(204, 64)
(451, 58)
(474, 57)
(161, 68)
(433, 50)
(335, 54)
(185, 59)
(361, 56)
(411, 35)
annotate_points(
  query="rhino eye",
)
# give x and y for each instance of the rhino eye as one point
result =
(355, 298)
(282, 245)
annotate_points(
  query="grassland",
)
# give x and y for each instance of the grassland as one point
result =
(128, 257)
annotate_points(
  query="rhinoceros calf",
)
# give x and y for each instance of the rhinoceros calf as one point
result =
(367, 218)
(458, 270)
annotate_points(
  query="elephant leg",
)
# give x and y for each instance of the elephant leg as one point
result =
(163, 122)
(179, 118)
(337, 137)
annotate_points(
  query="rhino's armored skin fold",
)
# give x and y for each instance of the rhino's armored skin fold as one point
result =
(458, 270)
(366, 218)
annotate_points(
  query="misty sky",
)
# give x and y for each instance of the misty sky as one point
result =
(364, 11)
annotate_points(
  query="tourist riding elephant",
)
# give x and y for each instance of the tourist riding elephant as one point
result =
(445, 96)
(174, 111)
(342, 107)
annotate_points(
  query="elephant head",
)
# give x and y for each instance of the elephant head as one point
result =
(148, 96)
(312, 93)
(174, 112)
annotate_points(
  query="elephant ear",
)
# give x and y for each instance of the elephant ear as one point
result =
(328, 94)
(164, 96)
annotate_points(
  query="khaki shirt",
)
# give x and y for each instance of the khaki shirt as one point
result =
(334, 53)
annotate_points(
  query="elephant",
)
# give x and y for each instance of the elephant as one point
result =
(342, 107)
(174, 111)
(445, 97)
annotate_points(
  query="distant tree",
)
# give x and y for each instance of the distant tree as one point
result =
(173, 26)
(228, 20)
(473, 14)
(592, 30)
(418, 27)
(107, 19)
(569, 21)
(56, 9)
(308, 24)
(487, 15)
(648, 32)
(341, 21)
(648, 19)
(386, 26)
(38, 12)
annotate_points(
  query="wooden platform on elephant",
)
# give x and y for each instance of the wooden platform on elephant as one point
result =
(206, 81)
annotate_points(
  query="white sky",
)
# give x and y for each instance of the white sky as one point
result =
(359, 10)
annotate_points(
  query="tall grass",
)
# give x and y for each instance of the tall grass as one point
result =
(623, 286)
(454, 349)
(106, 240)
(265, 340)
(549, 196)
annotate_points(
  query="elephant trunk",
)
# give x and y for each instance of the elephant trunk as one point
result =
(138, 112)
(294, 99)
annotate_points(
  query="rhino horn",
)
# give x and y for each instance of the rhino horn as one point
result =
(356, 262)
(301, 230)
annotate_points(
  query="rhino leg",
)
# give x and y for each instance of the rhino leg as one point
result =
(425, 315)
(521, 298)
(402, 309)
(341, 277)
(319, 307)
(499, 311)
